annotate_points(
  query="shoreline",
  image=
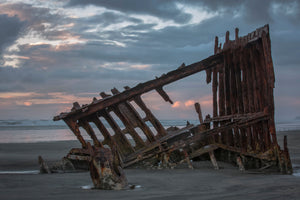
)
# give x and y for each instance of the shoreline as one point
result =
(18, 155)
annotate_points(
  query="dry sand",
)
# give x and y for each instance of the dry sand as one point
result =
(201, 183)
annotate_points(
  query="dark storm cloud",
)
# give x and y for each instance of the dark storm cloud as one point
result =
(38, 20)
(166, 9)
(20, 79)
(108, 18)
(10, 29)
(171, 45)
(215, 5)
(253, 11)
(33, 16)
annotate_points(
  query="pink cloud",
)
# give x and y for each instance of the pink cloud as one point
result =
(189, 103)
(27, 103)
(176, 104)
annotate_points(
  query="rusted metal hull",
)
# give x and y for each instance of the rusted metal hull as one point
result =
(241, 129)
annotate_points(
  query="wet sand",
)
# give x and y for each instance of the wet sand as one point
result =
(201, 183)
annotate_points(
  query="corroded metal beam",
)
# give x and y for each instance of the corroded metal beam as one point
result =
(143, 88)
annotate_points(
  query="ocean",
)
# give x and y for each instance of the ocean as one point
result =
(27, 131)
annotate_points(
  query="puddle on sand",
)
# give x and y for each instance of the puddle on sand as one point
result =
(87, 187)
(128, 188)
(296, 173)
(296, 169)
(21, 172)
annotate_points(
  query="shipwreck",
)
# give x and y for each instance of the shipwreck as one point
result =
(241, 130)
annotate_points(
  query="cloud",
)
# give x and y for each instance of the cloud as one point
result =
(11, 28)
(176, 104)
(11, 99)
(93, 46)
(26, 103)
(166, 9)
(189, 103)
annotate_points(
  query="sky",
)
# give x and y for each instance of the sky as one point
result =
(56, 52)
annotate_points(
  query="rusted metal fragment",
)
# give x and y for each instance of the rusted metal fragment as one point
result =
(141, 88)
(198, 110)
(240, 163)
(65, 165)
(164, 95)
(44, 169)
(105, 169)
(213, 160)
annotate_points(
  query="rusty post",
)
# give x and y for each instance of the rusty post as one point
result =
(105, 169)
(240, 163)
(213, 160)
(215, 98)
(221, 101)
(198, 110)
(216, 45)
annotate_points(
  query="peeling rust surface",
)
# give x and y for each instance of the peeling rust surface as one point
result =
(241, 129)
(105, 169)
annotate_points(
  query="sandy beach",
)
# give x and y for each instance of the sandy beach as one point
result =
(201, 183)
